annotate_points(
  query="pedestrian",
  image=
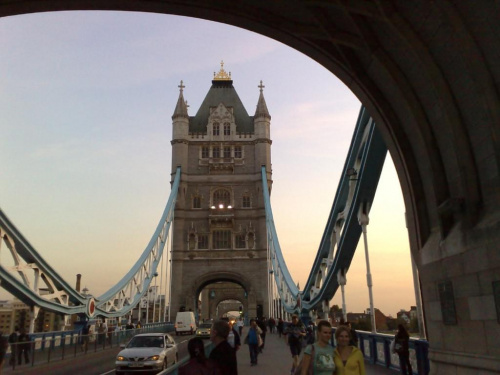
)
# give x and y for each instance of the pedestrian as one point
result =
(240, 325)
(222, 353)
(271, 323)
(101, 334)
(13, 338)
(295, 333)
(262, 323)
(310, 333)
(280, 326)
(354, 336)
(4, 345)
(348, 359)
(401, 347)
(117, 332)
(319, 356)
(23, 346)
(85, 337)
(252, 340)
(233, 338)
(198, 364)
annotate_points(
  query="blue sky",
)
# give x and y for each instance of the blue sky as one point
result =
(86, 100)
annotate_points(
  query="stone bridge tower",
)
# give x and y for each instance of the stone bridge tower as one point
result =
(219, 226)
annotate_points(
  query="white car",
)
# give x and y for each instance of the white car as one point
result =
(147, 352)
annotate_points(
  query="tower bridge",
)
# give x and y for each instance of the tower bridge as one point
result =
(427, 73)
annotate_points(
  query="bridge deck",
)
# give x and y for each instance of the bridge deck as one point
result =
(276, 359)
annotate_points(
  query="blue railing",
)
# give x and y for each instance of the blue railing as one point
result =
(54, 346)
(376, 349)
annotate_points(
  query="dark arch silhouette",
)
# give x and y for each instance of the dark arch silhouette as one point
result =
(428, 73)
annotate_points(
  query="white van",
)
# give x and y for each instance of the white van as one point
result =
(184, 322)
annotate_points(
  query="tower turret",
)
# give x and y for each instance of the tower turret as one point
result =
(180, 118)
(262, 127)
(180, 132)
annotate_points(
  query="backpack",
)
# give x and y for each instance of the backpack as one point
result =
(310, 370)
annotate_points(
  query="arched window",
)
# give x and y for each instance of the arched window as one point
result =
(216, 152)
(202, 241)
(221, 196)
(205, 152)
(238, 154)
(197, 202)
(240, 241)
(216, 128)
(227, 128)
(246, 202)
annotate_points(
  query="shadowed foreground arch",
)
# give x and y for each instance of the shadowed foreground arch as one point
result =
(428, 73)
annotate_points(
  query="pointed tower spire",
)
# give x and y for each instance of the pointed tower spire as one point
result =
(181, 107)
(261, 110)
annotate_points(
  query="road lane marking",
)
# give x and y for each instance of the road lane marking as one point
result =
(109, 372)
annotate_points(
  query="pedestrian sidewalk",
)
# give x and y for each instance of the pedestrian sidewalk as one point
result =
(277, 360)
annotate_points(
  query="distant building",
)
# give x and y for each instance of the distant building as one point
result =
(16, 313)
(407, 315)
(380, 318)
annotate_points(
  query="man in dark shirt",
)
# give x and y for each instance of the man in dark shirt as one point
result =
(13, 346)
(295, 332)
(223, 353)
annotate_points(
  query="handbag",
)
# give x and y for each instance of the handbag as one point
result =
(310, 370)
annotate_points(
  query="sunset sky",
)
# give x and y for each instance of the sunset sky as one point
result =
(86, 100)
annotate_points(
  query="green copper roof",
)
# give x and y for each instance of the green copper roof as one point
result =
(222, 92)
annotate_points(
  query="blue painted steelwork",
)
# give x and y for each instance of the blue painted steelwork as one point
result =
(355, 194)
(61, 297)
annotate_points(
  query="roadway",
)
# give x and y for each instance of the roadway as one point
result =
(101, 362)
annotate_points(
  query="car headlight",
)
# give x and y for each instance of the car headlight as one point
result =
(153, 358)
(120, 358)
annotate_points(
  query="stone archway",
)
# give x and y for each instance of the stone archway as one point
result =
(224, 291)
(428, 73)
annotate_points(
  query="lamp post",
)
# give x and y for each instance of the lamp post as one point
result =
(154, 297)
(342, 280)
(363, 221)
(147, 306)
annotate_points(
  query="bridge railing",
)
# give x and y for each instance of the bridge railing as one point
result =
(376, 349)
(46, 347)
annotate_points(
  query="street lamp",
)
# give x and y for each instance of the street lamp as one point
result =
(154, 298)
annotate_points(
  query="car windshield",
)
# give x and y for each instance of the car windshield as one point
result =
(146, 342)
(205, 325)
